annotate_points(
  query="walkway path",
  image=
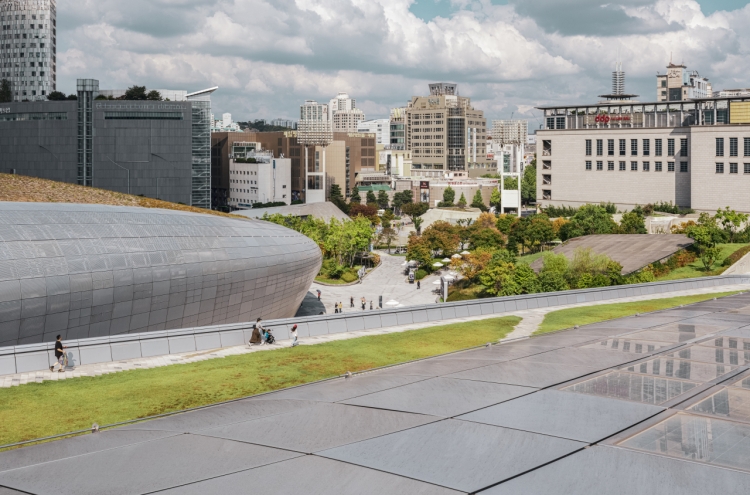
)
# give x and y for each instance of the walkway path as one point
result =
(531, 320)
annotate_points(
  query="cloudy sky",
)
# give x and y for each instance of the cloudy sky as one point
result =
(267, 56)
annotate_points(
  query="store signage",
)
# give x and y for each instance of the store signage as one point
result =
(606, 119)
(424, 184)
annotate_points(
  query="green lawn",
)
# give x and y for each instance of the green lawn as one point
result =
(530, 258)
(339, 281)
(696, 269)
(41, 409)
(567, 318)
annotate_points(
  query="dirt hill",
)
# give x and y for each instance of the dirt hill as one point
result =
(25, 189)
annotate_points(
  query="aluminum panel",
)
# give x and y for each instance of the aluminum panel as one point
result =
(125, 350)
(340, 389)
(318, 328)
(435, 367)
(525, 373)
(475, 462)
(205, 341)
(154, 347)
(32, 361)
(95, 354)
(232, 338)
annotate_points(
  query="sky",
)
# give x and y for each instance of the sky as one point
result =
(509, 56)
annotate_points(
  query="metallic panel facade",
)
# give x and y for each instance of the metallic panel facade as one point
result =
(91, 270)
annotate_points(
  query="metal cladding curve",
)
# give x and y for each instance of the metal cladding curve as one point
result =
(93, 270)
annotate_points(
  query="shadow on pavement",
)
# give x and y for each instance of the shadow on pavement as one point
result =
(311, 306)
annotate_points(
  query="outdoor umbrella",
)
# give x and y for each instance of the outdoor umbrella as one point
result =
(392, 303)
(437, 264)
(436, 282)
(446, 260)
(449, 277)
(455, 256)
(465, 253)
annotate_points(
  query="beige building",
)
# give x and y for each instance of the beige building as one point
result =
(680, 84)
(444, 132)
(694, 153)
(343, 114)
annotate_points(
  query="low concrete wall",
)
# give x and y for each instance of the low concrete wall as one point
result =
(36, 357)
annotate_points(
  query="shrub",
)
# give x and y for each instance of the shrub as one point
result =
(349, 276)
(665, 207)
(736, 256)
(421, 273)
(560, 211)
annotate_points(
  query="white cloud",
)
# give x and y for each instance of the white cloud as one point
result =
(267, 56)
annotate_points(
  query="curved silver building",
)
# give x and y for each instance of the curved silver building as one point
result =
(92, 270)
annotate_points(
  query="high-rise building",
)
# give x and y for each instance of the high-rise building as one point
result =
(343, 114)
(680, 84)
(509, 132)
(380, 127)
(398, 132)
(444, 132)
(28, 47)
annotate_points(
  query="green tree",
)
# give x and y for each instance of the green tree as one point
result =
(354, 196)
(418, 224)
(510, 184)
(135, 93)
(371, 199)
(462, 201)
(731, 221)
(632, 223)
(528, 183)
(154, 95)
(705, 237)
(442, 237)
(417, 249)
(478, 201)
(495, 199)
(6, 93)
(483, 238)
(383, 199)
(400, 199)
(72, 97)
(505, 223)
(449, 196)
(588, 220)
(337, 198)
(414, 210)
(56, 96)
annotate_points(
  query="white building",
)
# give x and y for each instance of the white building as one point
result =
(314, 134)
(380, 127)
(509, 131)
(259, 178)
(291, 124)
(395, 162)
(343, 114)
(225, 124)
(679, 84)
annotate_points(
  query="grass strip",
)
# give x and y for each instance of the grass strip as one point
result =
(567, 318)
(42, 409)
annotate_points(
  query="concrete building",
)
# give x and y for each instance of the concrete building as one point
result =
(258, 177)
(395, 162)
(154, 148)
(509, 132)
(226, 124)
(380, 127)
(28, 47)
(291, 124)
(343, 114)
(398, 129)
(694, 153)
(444, 132)
(95, 271)
(680, 84)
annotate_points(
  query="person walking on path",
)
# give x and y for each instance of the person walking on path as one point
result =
(335, 307)
(341, 307)
(419, 286)
(261, 330)
(351, 301)
(370, 305)
(364, 302)
(318, 294)
(59, 354)
(293, 334)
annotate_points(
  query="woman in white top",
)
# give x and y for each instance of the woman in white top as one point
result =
(294, 336)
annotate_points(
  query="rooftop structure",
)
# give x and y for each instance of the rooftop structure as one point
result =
(324, 211)
(680, 84)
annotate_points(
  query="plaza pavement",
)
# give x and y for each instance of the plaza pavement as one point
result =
(531, 319)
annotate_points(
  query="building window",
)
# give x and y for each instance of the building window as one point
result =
(622, 147)
(588, 164)
(670, 166)
(599, 147)
(633, 147)
(732, 168)
(670, 147)
(719, 146)
(684, 167)
(600, 165)
(747, 147)
(657, 147)
(733, 147)
(646, 166)
(610, 165)
(633, 166)
(646, 147)
(546, 194)
(719, 168)
(622, 166)
(747, 168)
(610, 147)
(683, 147)
(588, 147)
(657, 166)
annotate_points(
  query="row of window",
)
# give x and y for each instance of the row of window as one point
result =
(733, 147)
(733, 168)
(646, 166)
(645, 147)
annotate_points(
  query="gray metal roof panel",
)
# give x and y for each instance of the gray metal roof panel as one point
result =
(525, 373)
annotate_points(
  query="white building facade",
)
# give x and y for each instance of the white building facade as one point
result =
(259, 178)
(380, 127)
(225, 124)
(343, 114)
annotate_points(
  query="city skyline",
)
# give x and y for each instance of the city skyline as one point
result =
(507, 58)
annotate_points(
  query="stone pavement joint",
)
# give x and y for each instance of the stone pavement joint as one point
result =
(531, 319)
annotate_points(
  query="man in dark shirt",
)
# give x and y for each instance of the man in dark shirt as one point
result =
(59, 354)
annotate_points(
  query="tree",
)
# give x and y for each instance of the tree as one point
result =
(382, 199)
(442, 236)
(588, 220)
(705, 237)
(482, 238)
(135, 93)
(371, 199)
(505, 223)
(367, 211)
(474, 263)
(6, 94)
(528, 184)
(72, 97)
(478, 201)
(632, 223)
(337, 198)
(402, 198)
(414, 210)
(354, 196)
(495, 199)
(731, 221)
(56, 96)
(387, 236)
(417, 249)
(154, 95)
(462, 201)
(449, 196)
(510, 184)
(418, 224)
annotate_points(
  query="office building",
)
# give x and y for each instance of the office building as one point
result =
(257, 177)
(509, 132)
(152, 148)
(28, 47)
(444, 132)
(380, 127)
(395, 162)
(679, 84)
(225, 124)
(693, 153)
(343, 114)
(290, 124)
(398, 129)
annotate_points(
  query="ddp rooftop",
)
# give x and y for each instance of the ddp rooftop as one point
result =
(656, 403)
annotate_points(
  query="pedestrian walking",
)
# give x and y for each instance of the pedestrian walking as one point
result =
(335, 307)
(364, 302)
(341, 306)
(318, 294)
(419, 285)
(261, 331)
(351, 301)
(293, 333)
(59, 354)
(370, 305)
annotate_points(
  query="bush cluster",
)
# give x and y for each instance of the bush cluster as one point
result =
(736, 256)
